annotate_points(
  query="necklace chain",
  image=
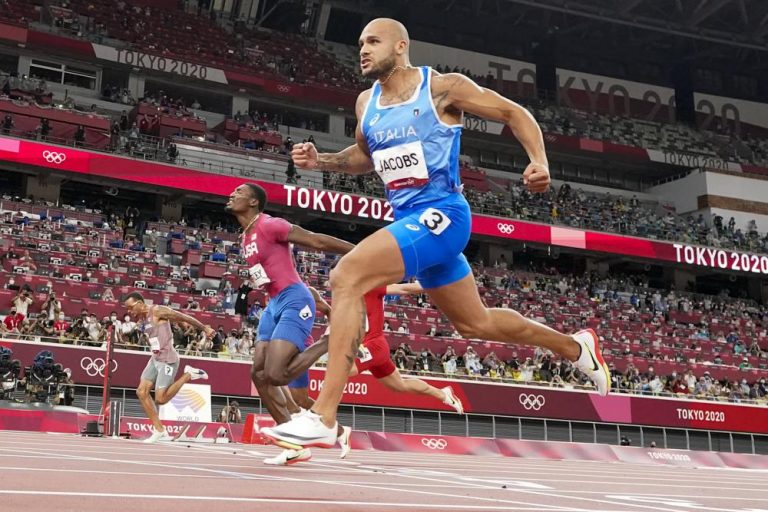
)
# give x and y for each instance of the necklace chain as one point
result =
(392, 73)
(245, 230)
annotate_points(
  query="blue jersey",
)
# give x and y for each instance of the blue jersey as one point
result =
(413, 151)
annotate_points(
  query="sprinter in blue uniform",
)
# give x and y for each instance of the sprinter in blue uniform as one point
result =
(408, 132)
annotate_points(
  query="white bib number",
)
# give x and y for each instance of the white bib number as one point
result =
(154, 344)
(363, 354)
(434, 220)
(258, 276)
(401, 166)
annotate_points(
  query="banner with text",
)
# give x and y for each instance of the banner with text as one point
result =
(233, 378)
(363, 207)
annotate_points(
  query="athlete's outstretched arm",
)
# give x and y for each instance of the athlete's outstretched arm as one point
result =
(454, 93)
(404, 288)
(171, 315)
(320, 303)
(318, 241)
(355, 159)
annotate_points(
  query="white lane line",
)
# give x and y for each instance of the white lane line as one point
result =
(247, 476)
(103, 472)
(363, 504)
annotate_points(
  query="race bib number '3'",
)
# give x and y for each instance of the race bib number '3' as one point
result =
(401, 166)
(434, 220)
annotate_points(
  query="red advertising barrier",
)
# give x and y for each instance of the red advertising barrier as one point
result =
(555, 450)
(141, 428)
(233, 378)
(683, 458)
(418, 443)
(44, 420)
(339, 203)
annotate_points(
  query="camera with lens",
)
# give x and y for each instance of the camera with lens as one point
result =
(44, 378)
(9, 373)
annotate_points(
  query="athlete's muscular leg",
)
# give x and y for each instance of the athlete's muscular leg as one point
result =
(145, 398)
(280, 354)
(291, 403)
(398, 384)
(350, 280)
(462, 305)
(272, 397)
(163, 396)
(301, 398)
(304, 360)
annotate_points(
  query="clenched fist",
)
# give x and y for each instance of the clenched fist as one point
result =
(304, 155)
(536, 177)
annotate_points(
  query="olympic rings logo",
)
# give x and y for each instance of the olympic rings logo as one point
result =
(283, 88)
(505, 228)
(54, 157)
(434, 443)
(532, 402)
(94, 367)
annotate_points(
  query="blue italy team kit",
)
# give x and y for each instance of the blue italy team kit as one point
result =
(417, 157)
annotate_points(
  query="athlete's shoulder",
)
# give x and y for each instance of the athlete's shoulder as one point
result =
(362, 101)
(446, 81)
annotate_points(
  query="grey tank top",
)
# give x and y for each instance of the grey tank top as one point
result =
(160, 338)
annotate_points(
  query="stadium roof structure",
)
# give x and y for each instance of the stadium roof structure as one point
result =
(725, 34)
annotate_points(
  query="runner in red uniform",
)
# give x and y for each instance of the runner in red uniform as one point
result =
(373, 354)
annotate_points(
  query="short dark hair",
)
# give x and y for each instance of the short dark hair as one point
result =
(135, 296)
(260, 194)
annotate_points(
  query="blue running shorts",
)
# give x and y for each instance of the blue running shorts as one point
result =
(432, 237)
(289, 316)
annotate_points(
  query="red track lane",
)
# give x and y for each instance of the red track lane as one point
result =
(43, 472)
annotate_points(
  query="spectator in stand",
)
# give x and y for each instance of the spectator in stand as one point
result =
(51, 307)
(108, 295)
(61, 327)
(291, 175)
(96, 333)
(192, 304)
(27, 262)
(12, 322)
(80, 135)
(8, 124)
(43, 129)
(21, 303)
(172, 152)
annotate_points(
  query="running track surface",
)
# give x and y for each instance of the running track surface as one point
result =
(64, 472)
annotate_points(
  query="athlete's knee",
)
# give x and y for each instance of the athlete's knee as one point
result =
(258, 377)
(161, 398)
(475, 327)
(142, 392)
(344, 277)
(277, 376)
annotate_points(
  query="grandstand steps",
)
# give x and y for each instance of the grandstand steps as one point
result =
(344, 54)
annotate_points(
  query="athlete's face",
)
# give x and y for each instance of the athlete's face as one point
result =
(380, 46)
(241, 200)
(132, 307)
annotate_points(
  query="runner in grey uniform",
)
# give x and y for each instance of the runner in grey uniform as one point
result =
(160, 372)
(164, 363)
